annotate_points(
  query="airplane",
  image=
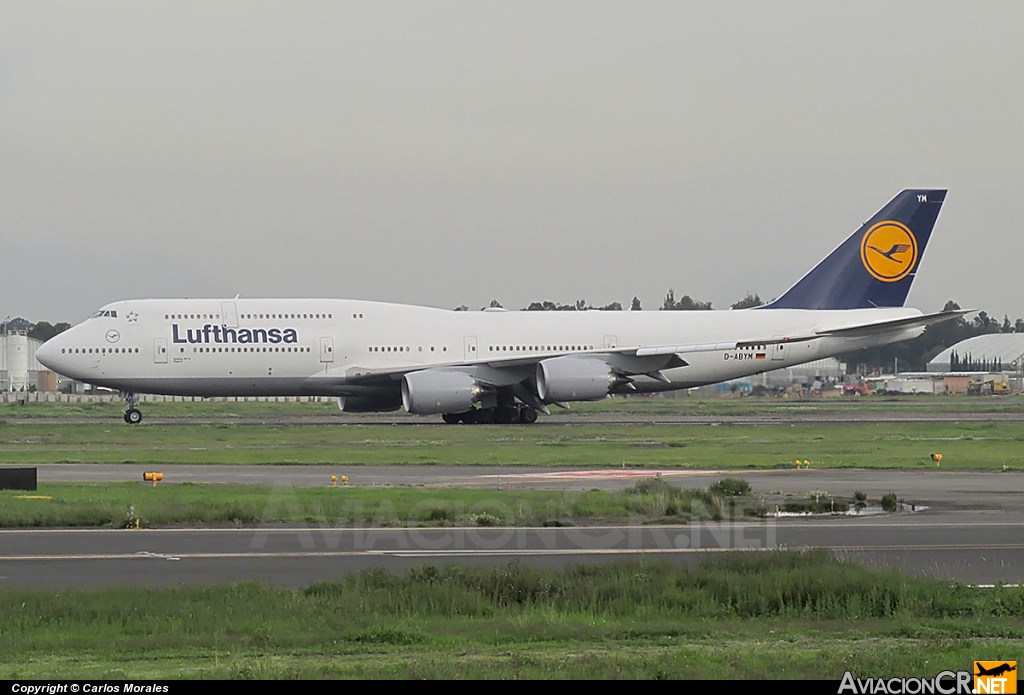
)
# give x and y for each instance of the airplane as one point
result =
(498, 366)
(994, 671)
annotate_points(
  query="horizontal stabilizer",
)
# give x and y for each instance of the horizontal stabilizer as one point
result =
(870, 329)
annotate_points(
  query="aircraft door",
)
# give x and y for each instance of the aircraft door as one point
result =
(610, 341)
(228, 315)
(469, 345)
(159, 350)
(778, 352)
(326, 349)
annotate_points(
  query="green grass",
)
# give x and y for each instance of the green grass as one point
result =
(745, 615)
(683, 405)
(834, 445)
(118, 505)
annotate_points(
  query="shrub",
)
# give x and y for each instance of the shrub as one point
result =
(889, 502)
(438, 514)
(485, 519)
(730, 487)
(860, 496)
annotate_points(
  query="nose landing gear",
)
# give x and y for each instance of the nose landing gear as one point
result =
(132, 415)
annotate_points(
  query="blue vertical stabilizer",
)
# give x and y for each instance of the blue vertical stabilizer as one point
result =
(876, 266)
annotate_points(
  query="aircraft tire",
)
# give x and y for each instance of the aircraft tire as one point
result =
(505, 416)
(452, 418)
(482, 416)
(527, 416)
(133, 416)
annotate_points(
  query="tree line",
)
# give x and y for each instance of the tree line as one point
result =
(40, 331)
(684, 303)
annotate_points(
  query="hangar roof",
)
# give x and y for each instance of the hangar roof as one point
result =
(1006, 347)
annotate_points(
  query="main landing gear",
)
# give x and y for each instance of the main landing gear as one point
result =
(132, 415)
(505, 415)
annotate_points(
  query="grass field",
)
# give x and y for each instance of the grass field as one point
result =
(989, 446)
(746, 615)
(215, 408)
(120, 505)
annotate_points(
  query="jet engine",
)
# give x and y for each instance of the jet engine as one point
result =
(434, 391)
(369, 404)
(575, 379)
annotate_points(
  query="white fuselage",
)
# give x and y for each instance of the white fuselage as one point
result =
(276, 347)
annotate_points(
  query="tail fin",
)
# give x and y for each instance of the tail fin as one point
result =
(875, 267)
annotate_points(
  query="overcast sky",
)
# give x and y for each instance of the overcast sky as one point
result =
(453, 153)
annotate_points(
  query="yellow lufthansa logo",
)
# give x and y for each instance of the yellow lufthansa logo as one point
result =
(889, 251)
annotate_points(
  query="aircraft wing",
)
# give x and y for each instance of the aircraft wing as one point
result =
(670, 353)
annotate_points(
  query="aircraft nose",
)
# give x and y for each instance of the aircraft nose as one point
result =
(48, 355)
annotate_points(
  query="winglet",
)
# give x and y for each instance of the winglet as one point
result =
(876, 266)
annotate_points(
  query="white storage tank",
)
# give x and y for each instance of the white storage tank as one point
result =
(18, 359)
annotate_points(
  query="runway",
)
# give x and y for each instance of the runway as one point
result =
(971, 532)
(956, 547)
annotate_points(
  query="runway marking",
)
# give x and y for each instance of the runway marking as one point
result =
(494, 553)
(146, 553)
(787, 523)
(600, 474)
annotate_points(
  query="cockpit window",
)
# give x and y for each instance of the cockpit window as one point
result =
(101, 313)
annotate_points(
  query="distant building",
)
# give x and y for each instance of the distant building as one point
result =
(812, 375)
(1004, 349)
(828, 370)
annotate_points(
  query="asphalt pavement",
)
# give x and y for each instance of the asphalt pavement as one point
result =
(957, 547)
(965, 526)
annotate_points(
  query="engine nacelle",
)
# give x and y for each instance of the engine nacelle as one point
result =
(434, 391)
(369, 404)
(574, 379)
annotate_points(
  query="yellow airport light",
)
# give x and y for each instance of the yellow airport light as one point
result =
(798, 464)
(334, 481)
(807, 464)
(344, 480)
(937, 458)
(152, 476)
